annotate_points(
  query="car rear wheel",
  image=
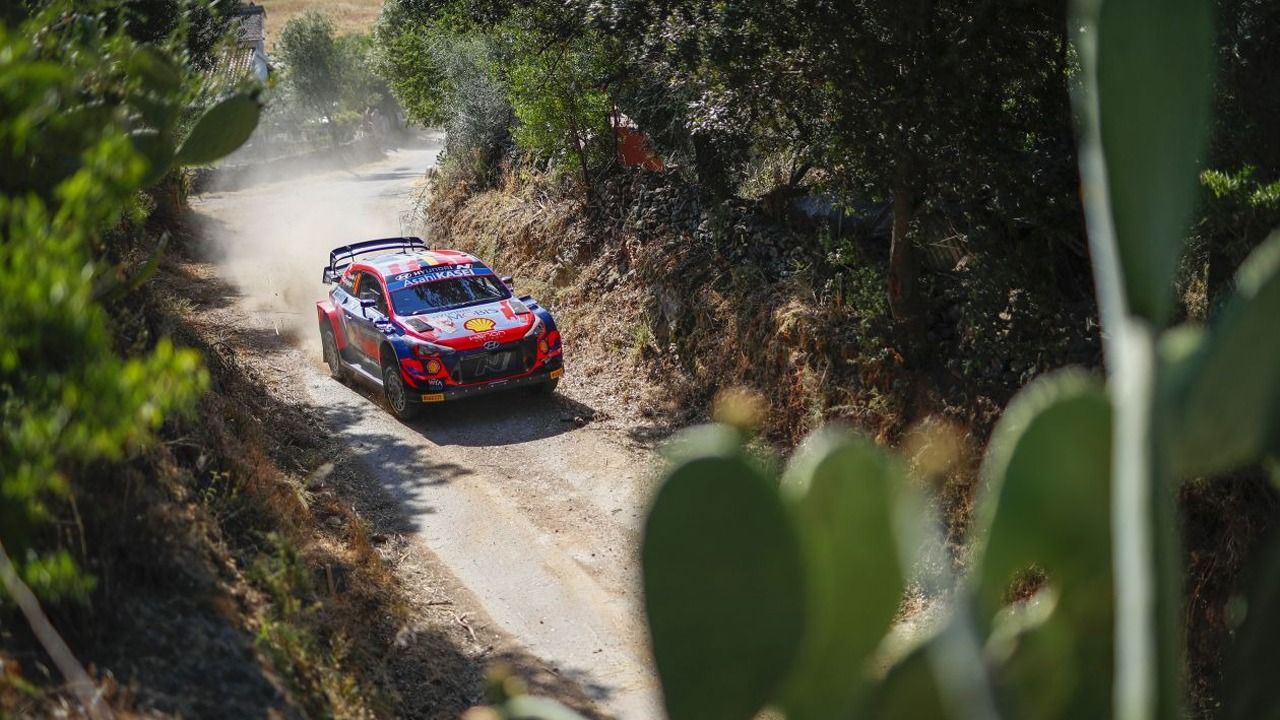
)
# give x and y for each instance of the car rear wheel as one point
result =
(329, 347)
(397, 395)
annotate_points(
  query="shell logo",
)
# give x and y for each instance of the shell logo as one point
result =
(479, 324)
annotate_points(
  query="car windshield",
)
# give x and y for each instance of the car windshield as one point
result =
(447, 294)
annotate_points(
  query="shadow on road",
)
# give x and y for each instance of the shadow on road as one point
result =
(383, 476)
(506, 418)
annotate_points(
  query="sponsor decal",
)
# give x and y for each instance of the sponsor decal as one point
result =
(444, 323)
(471, 312)
(479, 324)
(491, 335)
(440, 272)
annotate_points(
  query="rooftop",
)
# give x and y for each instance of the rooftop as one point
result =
(252, 20)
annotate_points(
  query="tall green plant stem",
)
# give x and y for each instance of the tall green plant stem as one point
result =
(1144, 537)
(1143, 527)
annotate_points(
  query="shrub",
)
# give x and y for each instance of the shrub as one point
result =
(67, 399)
(556, 88)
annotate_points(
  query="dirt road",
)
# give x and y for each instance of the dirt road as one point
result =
(533, 504)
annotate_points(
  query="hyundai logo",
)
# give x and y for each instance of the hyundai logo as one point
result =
(491, 345)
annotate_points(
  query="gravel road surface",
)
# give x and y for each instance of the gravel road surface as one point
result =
(533, 504)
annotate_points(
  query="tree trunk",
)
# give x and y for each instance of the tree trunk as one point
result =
(903, 303)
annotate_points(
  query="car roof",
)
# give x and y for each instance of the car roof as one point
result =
(403, 262)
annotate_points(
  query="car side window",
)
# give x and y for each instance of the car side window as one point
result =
(348, 283)
(371, 288)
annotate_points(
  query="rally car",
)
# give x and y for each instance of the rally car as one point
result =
(429, 326)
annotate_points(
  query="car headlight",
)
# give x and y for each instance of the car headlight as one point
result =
(424, 349)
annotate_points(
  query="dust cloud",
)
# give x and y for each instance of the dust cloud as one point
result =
(272, 236)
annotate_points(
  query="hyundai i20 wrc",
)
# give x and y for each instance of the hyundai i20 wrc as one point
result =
(428, 326)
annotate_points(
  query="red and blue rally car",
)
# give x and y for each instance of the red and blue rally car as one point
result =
(431, 325)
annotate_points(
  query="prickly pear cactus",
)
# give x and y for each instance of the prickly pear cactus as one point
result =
(841, 492)
(765, 592)
(1079, 481)
(724, 583)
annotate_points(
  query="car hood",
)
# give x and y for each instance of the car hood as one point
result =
(472, 327)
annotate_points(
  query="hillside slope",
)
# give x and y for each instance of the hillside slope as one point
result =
(349, 16)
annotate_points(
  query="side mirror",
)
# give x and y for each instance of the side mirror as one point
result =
(508, 281)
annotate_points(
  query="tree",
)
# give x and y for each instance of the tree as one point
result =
(313, 61)
(361, 85)
(920, 103)
(414, 38)
(557, 88)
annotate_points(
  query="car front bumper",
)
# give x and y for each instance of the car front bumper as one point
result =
(550, 370)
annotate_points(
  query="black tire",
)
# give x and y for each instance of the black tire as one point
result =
(546, 388)
(397, 395)
(329, 349)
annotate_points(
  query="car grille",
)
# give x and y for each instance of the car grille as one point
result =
(503, 362)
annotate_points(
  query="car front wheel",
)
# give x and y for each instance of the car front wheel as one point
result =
(546, 388)
(397, 394)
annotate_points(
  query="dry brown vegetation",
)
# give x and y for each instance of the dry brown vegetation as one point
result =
(660, 322)
(349, 16)
(238, 574)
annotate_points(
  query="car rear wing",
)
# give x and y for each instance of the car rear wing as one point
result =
(340, 258)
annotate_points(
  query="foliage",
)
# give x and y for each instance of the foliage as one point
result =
(1246, 100)
(327, 87)
(1079, 481)
(74, 163)
(880, 113)
(715, 84)
(477, 116)
(407, 57)
(957, 108)
(363, 86)
(530, 72)
(103, 78)
(191, 29)
(1238, 210)
(557, 91)
(308, 49)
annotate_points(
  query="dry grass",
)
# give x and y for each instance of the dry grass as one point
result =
(663, 341)
(236, 576)
(349, 16)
